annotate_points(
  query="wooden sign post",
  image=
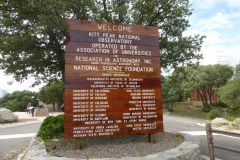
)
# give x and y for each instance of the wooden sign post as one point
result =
(112, 80)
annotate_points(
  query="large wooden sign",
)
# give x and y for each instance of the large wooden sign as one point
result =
(112, 80)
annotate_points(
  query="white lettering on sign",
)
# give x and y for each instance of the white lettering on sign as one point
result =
(85, 68)
(106, 46)
(112, 68)
(93, 50)
(114, 40)
(119, 28)
(126, 36)
(139, 69)
(88, 59)
(93, 34)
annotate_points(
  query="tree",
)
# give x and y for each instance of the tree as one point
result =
(52, 93)
(206, 80)
(178, 78)
(17, 101)
(172, 88)
(237, 70)
(168, 94)
(230, 93)
(32, 32)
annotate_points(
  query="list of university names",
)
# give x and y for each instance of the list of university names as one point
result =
(112, 84)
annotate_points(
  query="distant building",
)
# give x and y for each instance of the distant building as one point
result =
(196, 97)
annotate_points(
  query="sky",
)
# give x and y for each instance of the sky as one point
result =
(218, 20)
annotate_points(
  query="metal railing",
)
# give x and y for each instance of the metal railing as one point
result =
(211, 145)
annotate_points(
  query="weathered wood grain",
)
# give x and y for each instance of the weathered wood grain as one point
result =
(113, 38)
(111, 71)
(123, 130)
(103, 59)
(107, 49)
(93, 26)
(101, 82)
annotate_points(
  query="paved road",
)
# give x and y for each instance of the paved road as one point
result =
(223, 141)
(196, 133)
(16, 138)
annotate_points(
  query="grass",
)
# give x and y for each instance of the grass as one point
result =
(194, 109)
(188, 109)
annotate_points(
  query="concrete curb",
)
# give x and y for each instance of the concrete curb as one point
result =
(203, 157)
(185, 151)
(223, 128)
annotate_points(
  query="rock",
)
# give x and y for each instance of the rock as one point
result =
(236, 122)
(219, 122)
(7, 116)
(41, 112)
(55, 140)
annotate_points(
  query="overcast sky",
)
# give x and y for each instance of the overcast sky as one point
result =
(219, 20)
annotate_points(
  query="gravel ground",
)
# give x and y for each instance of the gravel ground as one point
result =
(11, 155)
(114, 147)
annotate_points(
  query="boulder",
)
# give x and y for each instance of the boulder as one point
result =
(236, 123)
(219, 122)
(7, 116)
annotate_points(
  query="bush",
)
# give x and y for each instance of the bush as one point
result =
(13, 105)
(214, 114)
(220, 104)
(230, 93)
(237, 112)
(52, 127)
(206, 109)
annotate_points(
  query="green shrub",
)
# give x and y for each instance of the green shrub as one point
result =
(13, 105)
(236, 112)
(214, 114)
(206, 109)
(220, 104)
(52, 127)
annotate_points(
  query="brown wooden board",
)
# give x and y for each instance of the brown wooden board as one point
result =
(112, 49)
(97, 117)
(112, 38)
(112, 94)
(82, 118)
(108, 82)
(111, 71)
(112, 28)
(103, 106)
(112, 80)
(103, 59)
(75, 131)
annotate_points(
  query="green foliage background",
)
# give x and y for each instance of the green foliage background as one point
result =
(32, 32)
(52, 93)
(17, 101)
(206, 80)
(230, 93)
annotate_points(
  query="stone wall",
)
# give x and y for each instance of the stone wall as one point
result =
(41, 112)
